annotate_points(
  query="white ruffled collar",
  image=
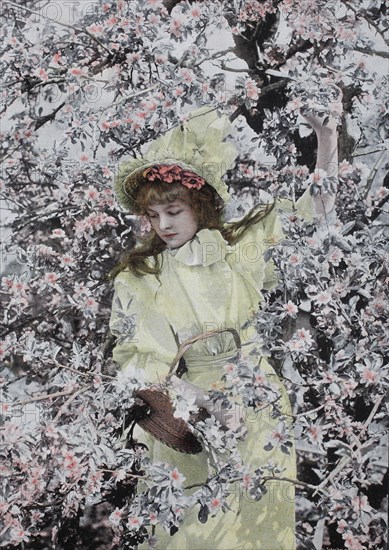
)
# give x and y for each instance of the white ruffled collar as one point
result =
(206, 248)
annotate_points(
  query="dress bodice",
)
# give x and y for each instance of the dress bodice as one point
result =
(205, 284)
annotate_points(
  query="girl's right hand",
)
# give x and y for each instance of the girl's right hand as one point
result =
(231, 419)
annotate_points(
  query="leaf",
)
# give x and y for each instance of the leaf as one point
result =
(203, 514)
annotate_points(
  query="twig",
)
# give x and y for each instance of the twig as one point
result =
(68, 401)
(307, 413)
(128, 97)
(46, 396)
(368, 152)
(381, 159)
(10, 153)
(296, 482)
(371, 415)
(85, 374)
(232, 70)
(380, 53)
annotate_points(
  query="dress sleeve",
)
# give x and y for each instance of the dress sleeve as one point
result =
(267, 233)
(145, 338)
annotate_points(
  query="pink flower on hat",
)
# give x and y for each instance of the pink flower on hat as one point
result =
(174, 174)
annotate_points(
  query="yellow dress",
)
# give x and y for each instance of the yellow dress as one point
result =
(204, 285)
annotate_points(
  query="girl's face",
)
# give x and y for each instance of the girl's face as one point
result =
(175, 222)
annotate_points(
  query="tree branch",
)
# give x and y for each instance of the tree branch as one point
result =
(380, 53)
(42, 120)
(50, 396)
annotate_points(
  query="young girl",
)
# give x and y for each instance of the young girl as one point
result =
(195, 274)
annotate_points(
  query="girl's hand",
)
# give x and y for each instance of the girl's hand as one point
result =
(319, 101)
(231, 418)
(321, 123)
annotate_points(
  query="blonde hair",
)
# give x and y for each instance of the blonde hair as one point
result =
(207, 207)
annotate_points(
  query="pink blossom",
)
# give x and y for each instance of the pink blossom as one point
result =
(77, 71)
(84, 157)
(119, 475)
(361, 504)
(295, 345)
(215, 504)
(91, 305)
(335, 255)
(57, 58)
(290, 308)
(105, 125)
(304, 335)
(133, 57)
(111, 22)
(51, 431)
(294, 259)
(187, 75)
(348, 388)
(58, 234)
(323, 297)
(153, 518)
(134, 523)
(318, 176)
(51, 278)
(342, 526)
(352, 542)
(41, 73)
(175, 26)
(179, 91)
(252, 90)
(315, 434)
(294, 104)
(71, 465)
(154, 19)
(91, 193)
(346, 34)
(381, 192)
(116, 517)
(260, 379)
(19, 535)
(145, 225)
(246, 481)
(176, 477)
(95, 29)
(67, 261)
(230, 368)
(160, 58)
(107, 173)
(370, 376)
(195, 12)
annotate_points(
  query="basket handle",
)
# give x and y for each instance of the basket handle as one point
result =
(202, 336)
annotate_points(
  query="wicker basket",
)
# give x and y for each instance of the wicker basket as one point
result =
(160, 420)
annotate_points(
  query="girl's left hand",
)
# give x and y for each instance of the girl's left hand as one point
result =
(322, 123)
(319, 101)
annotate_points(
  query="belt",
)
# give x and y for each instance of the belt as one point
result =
(198, 362)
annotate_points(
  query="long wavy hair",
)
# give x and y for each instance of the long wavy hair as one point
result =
(145, 257)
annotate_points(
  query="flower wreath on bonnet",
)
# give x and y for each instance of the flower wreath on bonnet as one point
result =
(192, 154)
